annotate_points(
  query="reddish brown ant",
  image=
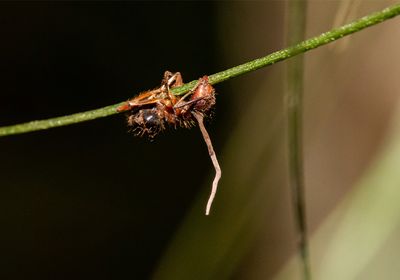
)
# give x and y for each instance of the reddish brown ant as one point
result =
(151, 111)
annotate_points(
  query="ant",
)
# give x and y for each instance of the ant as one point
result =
(151, 111)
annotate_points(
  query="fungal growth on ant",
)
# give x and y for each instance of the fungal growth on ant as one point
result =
(152, 111)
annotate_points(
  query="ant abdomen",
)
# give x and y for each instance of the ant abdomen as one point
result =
(146, 122)
(150, 117)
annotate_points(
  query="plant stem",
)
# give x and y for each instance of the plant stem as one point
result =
(302, 47)
(296, 30)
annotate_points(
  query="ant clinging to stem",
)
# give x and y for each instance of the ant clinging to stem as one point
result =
(151, 111)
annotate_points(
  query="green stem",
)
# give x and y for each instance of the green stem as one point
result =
(302, 47)
(294, 104)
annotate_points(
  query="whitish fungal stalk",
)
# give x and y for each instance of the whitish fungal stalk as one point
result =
(199, 117)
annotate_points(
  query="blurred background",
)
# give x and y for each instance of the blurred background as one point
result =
(92, 201)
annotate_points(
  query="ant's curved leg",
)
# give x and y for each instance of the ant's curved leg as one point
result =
(171, 80)
(202, 90)
(181, 102)
(175, 80)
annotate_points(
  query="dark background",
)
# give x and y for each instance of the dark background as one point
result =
(90, 200)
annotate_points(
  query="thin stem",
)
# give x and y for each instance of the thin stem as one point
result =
(302, 47)
(294, 104)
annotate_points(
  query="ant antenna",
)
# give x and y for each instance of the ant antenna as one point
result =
(200, 117)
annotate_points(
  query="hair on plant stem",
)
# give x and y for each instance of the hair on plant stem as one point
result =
(153, 111)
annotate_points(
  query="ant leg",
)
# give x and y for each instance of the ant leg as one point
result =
(170, 81)
(175, 80)
(181, 102)
(166, 77)
(143, 99)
